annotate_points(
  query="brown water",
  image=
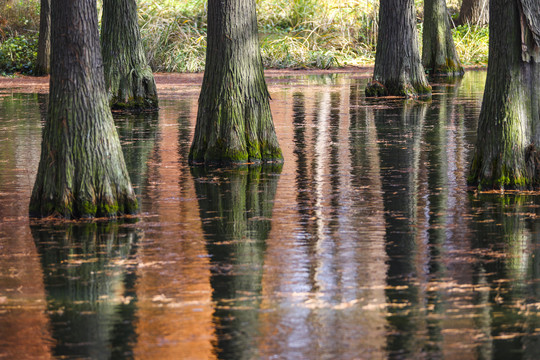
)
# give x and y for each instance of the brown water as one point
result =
(366, 244)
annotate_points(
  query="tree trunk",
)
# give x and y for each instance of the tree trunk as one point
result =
(508, 128)
(43, 61)
(234, 122)
(439, 56)
(128, 76)
(82, 171)
(398, 70)
(474, 12)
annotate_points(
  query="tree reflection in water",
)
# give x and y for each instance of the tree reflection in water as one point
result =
(236, 208)
(89, 278)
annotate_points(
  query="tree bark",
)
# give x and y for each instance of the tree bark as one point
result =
(81, 171)
(128, 76)
(43, 61)
(508, 128)
(439, 56)
(234, 122)
(474, 12)
(398, 69)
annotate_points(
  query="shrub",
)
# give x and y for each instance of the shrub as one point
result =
(18, 54)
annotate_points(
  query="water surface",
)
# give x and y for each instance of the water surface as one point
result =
(365, 244)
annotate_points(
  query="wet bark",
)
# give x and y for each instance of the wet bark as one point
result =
(81, 171)
(439, 56)
(474, 12)
(509, 127)
(234, 122)
(128, 76)
(398, 69)
(43, 61)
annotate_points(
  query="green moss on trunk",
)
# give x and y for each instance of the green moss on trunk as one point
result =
(397, 61)
(81, 171)
(234, 121)
(128, 77)
(439, 55)
(505, 156)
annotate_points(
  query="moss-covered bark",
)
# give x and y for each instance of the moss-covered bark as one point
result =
(43, 61)
(128, 76)
(234, 122)
(81, 171)
(509, 125)
(398, 69)
(439, 56)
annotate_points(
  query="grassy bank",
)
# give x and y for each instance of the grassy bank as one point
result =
(293, 33)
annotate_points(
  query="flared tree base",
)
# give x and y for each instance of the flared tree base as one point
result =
(450, 69)
(407, 90)
(518, 173)
(135, 91)
(70, 208)
(235, 133)
(222, 155)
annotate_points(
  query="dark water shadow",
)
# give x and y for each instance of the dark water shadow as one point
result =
(506, 249)
(236, 209)
(89, 278)
(137, 133)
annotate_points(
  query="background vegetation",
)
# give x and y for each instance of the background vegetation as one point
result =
(294, 34)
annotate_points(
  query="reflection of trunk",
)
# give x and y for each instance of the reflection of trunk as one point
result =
(236, 209)
(400, 133)
(398, 69)
(184, 142)
(88, 287)
(368, 219)
(234, 122)
(439, 55)
(128, 76)
(503, 230)
(43, 61)
(137, 133)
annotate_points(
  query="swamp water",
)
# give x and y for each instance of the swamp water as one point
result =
(366, 244)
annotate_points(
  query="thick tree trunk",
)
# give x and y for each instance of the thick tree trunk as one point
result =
(234, 122)
(474, 12)
(508, 127)
(82, 171)
(43, 61)
(128, 76)
(439, 56)
(398, 70)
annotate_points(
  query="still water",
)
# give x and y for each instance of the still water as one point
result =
(365, 244)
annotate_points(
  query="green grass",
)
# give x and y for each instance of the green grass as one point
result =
(293, 33)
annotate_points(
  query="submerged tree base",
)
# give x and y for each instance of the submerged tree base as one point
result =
(407, 90)
(72, 208)
(149, 103)
(500, 177)
(220, 154)
(450, 69)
